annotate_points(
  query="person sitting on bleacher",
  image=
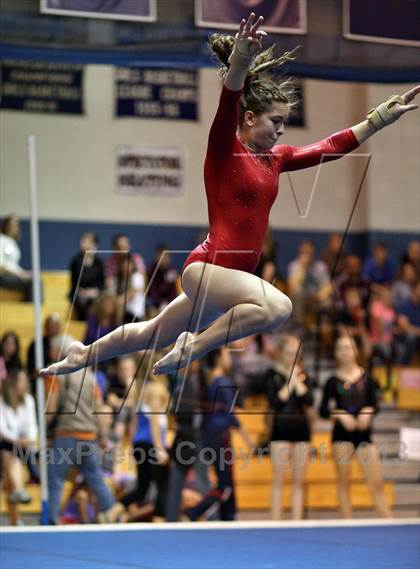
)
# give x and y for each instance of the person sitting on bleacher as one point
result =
(52, 329)
(9, 354)
(86, 287)
(122, 248)
(308, 282)
(379, 269)
(18, 432)
(352, 277)
(12, 275)
(290, 396)
(355, 401)
(408, 327)
(104, 316)
(412, 256)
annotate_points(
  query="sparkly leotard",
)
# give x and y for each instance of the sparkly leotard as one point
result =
(241, 186)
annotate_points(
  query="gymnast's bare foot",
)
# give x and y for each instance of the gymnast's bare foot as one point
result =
(74, 360)
(178, 357)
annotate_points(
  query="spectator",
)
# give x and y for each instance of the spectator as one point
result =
(150, 446)
(121, 247)
(118, 392)
(334, 256)
(382, 321)
(379, 268)
(308, 283)
(162, 279)
(87, 276)
(408, 327)
(352, 277)
(216, 437)
(352, 320)
(10, 352)
(52, 329)
(250, 363)
(412, 256)
(12, 275)
(355, 401)
(401, 287)
(268, 256)
(72, 400)
(130, 288)
(290, 396)
(189, 398)
(103, 318)
(18, 432)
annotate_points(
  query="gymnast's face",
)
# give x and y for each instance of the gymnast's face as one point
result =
(265, 129)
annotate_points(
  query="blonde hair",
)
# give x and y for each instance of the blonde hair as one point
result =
(261, 89)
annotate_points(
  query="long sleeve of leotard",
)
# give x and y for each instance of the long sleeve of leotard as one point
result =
(223, 130)
(331, 148)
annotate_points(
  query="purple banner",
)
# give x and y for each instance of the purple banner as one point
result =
(382, 21)
(281, 16)
(140, 10)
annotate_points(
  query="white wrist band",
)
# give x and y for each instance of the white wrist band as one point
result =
(381, 115)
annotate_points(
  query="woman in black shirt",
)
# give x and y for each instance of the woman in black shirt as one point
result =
(355, 401)
(290, 396)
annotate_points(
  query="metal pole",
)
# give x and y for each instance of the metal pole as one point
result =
(39, 355)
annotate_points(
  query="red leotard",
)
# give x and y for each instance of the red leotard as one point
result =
(241, 186)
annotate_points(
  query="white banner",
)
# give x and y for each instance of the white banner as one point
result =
(150, 171)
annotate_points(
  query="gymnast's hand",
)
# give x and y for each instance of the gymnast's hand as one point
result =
(393, 108)
(248, 40)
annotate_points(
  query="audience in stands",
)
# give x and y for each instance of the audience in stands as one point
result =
(334, 255)
(189, 400)
(121, 249)
(162, 279)
(150, 446)
(268, 256)
(104, 316)
(412, 256)
(52, 329)
(87, 276)
(9, 353)
(289, 393)
(308, 283)
(76, 432)
(380, 312)
(217, 422)
(130, 289)
(250, 362)
(352, 277)
(401, 287)
(352, 319)
(12, 275)
(408, 327)
(382, 320)
(379, 268)
(18, 434)
(354, 398)
(118, 391)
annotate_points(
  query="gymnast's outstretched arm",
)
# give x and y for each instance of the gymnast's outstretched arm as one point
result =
(343, 142)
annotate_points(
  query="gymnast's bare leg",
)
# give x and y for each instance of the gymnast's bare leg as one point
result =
(230, 303)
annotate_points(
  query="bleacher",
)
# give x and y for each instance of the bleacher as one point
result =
(253, 473)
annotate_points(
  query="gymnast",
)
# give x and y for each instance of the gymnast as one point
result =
(222, 300)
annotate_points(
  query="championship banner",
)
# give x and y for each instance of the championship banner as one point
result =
(156, 93)
(280, 16)
(382, 21)
(139, 10)
(41, 87)
(150, 171)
